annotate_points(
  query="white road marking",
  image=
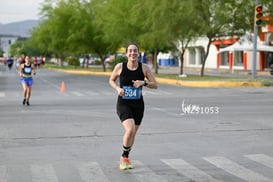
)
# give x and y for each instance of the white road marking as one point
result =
(189, 170)
(2, 94)
(3, 174)
(91, 171)
(79, 94)
(143, 173)
(236, 169)
(43, 173)
(261, 158)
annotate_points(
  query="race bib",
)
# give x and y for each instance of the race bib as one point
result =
(131, 92)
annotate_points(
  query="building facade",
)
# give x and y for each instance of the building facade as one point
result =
(229, 60)
(5, 42)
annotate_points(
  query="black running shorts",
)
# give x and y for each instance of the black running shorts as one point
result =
(127, 110)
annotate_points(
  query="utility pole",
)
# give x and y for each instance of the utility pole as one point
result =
(254, 52)
(257, 22)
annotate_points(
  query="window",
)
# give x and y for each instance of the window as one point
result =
(196, 55)
(238, 58)
(224, 58)
(192, 60)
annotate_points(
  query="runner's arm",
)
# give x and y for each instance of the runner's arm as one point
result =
(112, 80)
(33, 69)
(21, 70)
(151, 81)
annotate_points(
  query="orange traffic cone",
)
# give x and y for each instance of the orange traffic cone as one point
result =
(63, 87)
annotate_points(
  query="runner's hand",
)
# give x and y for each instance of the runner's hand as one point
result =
(120, 91)
(138, 83)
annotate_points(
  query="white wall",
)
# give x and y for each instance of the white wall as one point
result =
(197, 45)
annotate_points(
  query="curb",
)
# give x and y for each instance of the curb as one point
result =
(210, 83)
(204, 84)
(83, 72)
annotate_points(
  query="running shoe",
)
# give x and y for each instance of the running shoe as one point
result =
(125, 163)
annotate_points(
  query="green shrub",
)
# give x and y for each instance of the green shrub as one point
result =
(117, 60)
(97, 62)
(73, 61)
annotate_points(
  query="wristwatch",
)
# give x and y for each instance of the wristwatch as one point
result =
(145, 83)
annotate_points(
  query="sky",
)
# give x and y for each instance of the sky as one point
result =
(19, 10)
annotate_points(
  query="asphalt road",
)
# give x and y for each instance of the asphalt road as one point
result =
(188, 134)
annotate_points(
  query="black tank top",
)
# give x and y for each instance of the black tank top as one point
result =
(125, 79)
(27, 69)
(126, 75)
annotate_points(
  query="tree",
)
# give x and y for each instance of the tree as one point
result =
(154, 18)
(79, 27)
(96, 35)
(72, 29)
(222, 18)
(145, 22)
(182, 26)
(157, 24)
(1, 52)
(15, 48)
(114, 19)
(51, 35)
